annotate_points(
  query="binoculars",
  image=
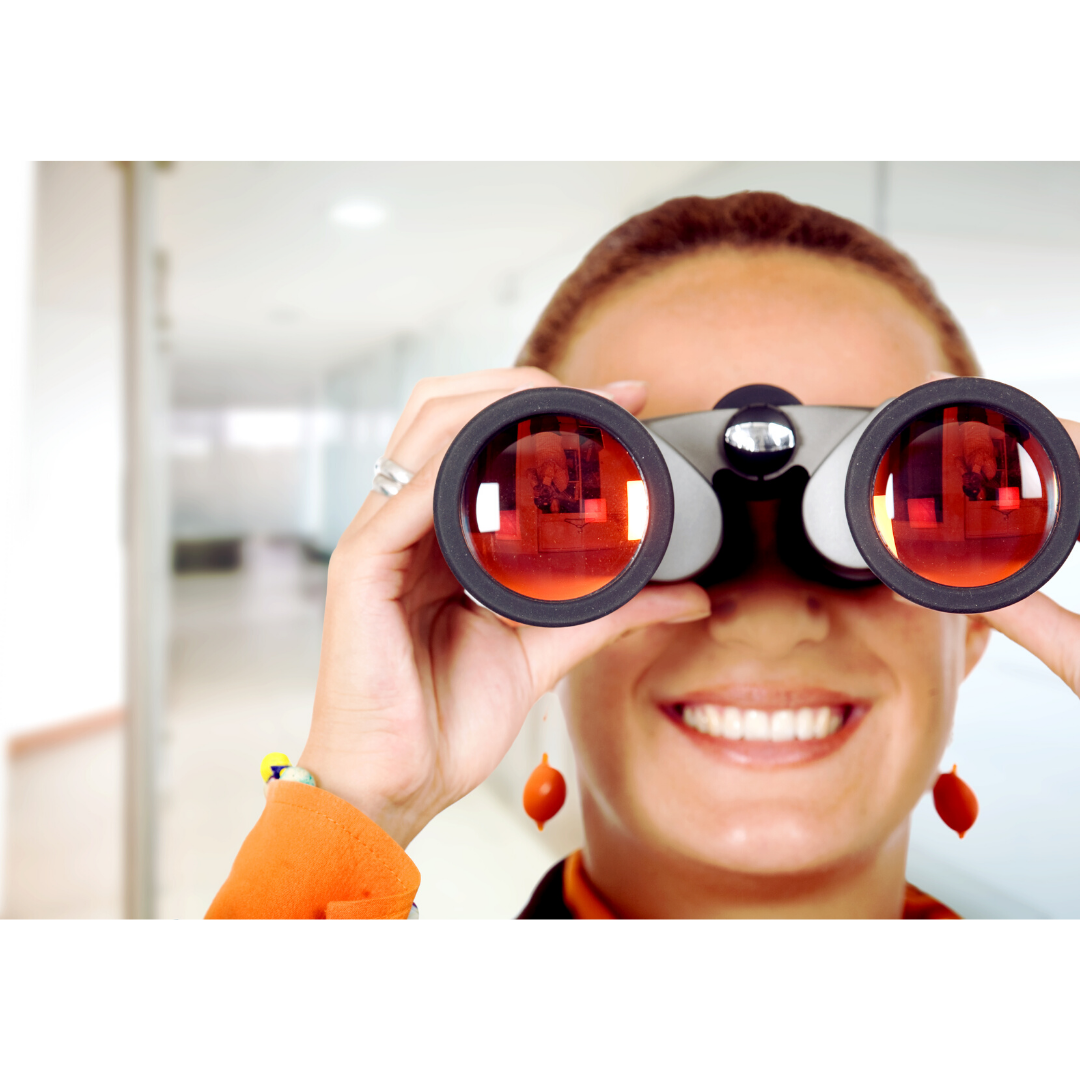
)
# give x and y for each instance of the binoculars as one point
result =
(555, 506)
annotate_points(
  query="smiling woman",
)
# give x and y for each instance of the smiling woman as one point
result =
(752, 746)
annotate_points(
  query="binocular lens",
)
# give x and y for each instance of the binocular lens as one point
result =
(965, 496)
(553, 507)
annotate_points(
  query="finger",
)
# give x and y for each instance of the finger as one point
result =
(631, 394)
(437, 423)
(439, 419)
(433, 417)
(434, 427)
(552, 652)
(500, 381)
(1045, 629)
(394, 526)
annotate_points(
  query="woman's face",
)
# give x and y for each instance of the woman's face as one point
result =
(775, 645)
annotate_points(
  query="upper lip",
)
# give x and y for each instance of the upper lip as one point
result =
(765, 697)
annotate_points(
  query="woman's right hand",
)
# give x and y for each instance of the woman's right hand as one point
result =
(420, 690)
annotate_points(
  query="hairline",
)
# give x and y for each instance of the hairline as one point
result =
(657, 266)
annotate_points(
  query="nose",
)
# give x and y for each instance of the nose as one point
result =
(768, 610)
(767, 614)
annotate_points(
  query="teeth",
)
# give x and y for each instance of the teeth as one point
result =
(782, 725)
(757, 724)
(714, 720)
(826, 721)
(804, 724)
(733, 723)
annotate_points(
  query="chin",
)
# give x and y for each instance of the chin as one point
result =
(765, 840)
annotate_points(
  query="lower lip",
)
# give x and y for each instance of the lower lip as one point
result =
(760, 753)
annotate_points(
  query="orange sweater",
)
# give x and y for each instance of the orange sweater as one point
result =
(312, 855)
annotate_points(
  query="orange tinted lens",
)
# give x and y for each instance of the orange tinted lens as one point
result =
(965, 496)
(554, 508)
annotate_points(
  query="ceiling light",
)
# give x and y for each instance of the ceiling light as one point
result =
(358, 215)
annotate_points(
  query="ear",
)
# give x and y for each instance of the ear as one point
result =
(976, 639)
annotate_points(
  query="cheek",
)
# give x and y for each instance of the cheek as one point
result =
(599, 699)
(925, 654)
(926, 650)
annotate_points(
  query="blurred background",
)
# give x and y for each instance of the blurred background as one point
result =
(231, 344)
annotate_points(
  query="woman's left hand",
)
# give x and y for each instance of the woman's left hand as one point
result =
(1043, 627)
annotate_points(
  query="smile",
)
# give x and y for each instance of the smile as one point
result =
(769, 727)
(780, 725)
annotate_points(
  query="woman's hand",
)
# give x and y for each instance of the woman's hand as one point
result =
(421, 691)
(1043, 627)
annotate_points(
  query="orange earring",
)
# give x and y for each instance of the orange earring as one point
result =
(955, 802)
(545, 792)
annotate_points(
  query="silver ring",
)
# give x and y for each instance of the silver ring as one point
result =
(390, 477)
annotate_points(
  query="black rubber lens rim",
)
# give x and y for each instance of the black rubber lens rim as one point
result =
(883, 429)
(564, 401)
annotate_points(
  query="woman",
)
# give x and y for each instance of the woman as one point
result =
(421, 692)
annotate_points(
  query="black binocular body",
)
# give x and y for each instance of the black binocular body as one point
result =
(555, 506)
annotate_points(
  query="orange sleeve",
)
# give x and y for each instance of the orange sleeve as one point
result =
(314, 856)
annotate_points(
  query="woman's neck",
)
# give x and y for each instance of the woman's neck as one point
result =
(639, 881)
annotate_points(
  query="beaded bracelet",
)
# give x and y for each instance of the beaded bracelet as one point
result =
(277, 767)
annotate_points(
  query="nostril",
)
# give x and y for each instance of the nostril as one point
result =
(724, 609)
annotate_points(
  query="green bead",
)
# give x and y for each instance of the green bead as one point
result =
(297, 775)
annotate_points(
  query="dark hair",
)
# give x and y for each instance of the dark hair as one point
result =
(751, 219)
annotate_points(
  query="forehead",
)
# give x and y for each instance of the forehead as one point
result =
(824, 329)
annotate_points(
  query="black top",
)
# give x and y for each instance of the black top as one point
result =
(547, 900)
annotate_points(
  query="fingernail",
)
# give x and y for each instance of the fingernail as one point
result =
(935, 375)
(692, 616)
(627, 384)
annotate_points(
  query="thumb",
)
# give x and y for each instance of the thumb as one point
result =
(631, 394)
(552, 651)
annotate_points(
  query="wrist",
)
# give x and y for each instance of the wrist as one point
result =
(397, 818)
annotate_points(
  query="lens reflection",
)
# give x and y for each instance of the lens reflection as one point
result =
(965, 496)
(554, 508)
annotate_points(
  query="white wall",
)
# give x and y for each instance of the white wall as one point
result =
(16, 236)
(60, 399)
(71, 630)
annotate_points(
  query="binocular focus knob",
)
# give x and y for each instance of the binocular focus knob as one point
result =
(758, 441)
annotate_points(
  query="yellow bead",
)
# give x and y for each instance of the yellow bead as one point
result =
(269, 761)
